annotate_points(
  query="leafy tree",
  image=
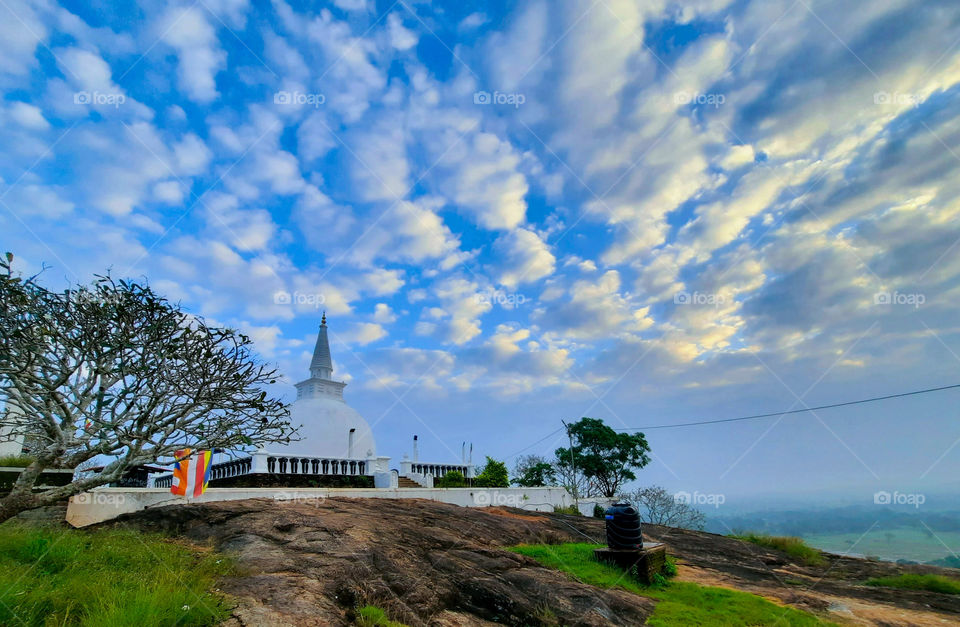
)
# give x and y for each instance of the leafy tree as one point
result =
(659, 507)
(604, 456)
(534, 471)
(493, 475)
(114, 370)
(451, 479)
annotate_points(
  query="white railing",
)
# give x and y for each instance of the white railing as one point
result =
(283, 465)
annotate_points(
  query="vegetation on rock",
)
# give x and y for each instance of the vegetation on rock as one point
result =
(794, 547)
(912, 581)
(680, 603)
(373, 616)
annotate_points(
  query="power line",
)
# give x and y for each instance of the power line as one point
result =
(549, 435)
(794, 411)
(756, 416)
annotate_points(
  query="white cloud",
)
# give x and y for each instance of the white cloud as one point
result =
(28, 116)
(485, 182)
(362, 333)
(383, 314)
(200, 58)
(522, 257)
(401, 38)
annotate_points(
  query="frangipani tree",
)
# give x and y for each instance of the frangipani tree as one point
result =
(113, 369)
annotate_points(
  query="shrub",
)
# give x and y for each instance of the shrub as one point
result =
(453, 479)
(572, 510)
(599, 511)
(910, 581)
(15, 461)
(493, 475)
(794, 547)
(669, 567)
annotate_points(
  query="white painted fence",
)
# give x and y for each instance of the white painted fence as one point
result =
(107, 503)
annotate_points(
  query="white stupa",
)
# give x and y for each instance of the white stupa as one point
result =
(328, 427)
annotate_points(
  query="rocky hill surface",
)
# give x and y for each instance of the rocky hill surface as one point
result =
(428, 563)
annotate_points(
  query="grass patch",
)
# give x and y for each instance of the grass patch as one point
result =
(909, 581)
(373, 616)
(15, 461)
(106, 578)
(680, 603)
(794, 547)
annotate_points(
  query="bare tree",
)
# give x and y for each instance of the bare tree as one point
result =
(114, 370)
(659, 507)
(574, 481)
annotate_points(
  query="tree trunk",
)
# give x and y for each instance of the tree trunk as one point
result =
(14, 503)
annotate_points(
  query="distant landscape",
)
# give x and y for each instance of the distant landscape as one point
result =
(860, 531)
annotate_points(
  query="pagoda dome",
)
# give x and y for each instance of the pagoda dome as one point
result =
(324, 420)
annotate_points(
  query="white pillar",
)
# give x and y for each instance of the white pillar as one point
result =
(416, 450)
(350, 443)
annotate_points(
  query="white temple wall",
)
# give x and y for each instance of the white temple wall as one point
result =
(107, 503)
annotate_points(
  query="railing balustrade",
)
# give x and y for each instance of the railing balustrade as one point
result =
(277, 464)
(437, 470)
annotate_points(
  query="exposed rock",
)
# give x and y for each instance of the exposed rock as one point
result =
(425, 563)
(429, 563)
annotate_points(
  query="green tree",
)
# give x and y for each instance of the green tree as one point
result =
(533, 471)
(493, 475)
(604, 456)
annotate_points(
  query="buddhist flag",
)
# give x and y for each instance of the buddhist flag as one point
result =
(191, 473)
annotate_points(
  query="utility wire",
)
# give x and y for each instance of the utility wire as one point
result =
(549, 435)
(758, 416)
(795, 411)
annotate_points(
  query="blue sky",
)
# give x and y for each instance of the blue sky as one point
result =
(517, 213)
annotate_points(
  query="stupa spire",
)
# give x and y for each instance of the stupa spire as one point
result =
(321, 366)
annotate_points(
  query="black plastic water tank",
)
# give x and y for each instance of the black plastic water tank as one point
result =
(623, 527)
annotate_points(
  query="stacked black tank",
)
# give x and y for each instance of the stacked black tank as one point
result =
(623, 527)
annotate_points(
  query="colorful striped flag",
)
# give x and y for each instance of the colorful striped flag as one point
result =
(191, 473)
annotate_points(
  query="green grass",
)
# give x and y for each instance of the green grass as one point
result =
(794, 547)
(931, 583)
(373, 616)
(105, 578)
(15, 461)
(680, 603)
